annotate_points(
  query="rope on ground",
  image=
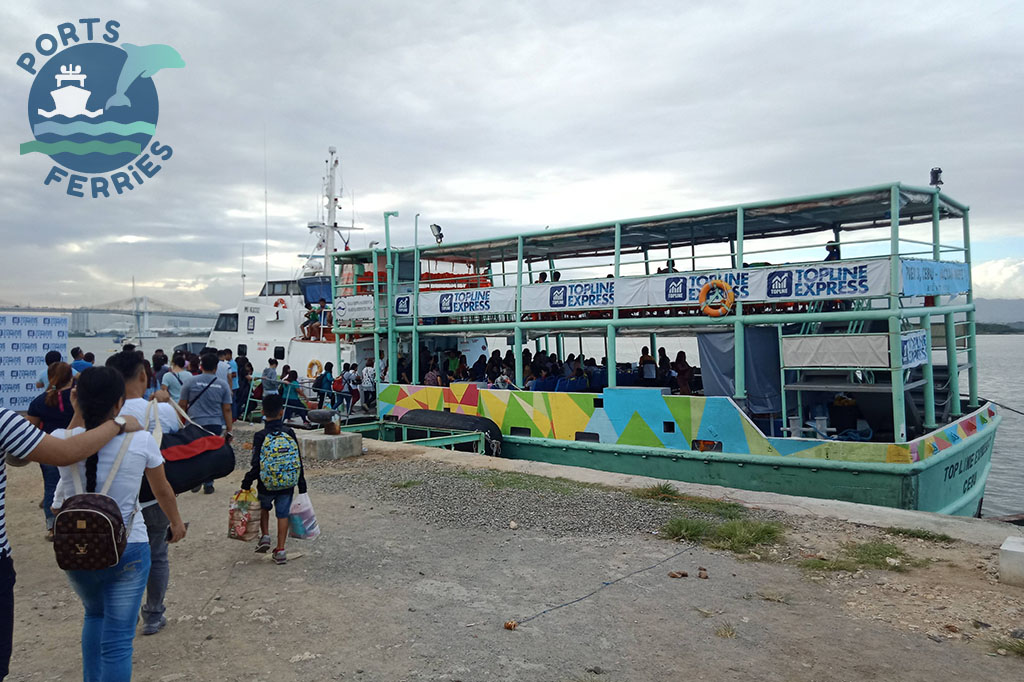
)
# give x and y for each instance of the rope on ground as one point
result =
(603, 585)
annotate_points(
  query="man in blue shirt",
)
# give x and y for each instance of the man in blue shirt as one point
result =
(79, 362)
(208, 401)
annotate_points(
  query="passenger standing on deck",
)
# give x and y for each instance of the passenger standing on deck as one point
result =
(207, 400)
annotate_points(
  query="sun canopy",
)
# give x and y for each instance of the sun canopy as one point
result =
(845, 210)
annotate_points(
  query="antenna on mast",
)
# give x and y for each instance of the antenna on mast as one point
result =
(243, 269)
(266, 219)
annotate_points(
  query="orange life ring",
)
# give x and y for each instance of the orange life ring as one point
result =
(314, 369)
(720, 308)
(280, 303)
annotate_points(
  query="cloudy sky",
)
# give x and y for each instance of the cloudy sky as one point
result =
(497, 117)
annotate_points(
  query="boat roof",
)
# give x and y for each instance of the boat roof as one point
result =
(844, 210)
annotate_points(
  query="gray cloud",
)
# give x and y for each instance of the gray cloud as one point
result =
(490, 118)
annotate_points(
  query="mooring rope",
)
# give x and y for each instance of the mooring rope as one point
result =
(603, 585)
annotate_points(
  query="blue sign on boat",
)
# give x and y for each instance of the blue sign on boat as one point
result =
(935, 278)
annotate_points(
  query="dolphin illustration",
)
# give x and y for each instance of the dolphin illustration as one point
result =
(142, 62)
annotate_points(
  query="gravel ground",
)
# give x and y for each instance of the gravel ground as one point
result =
(452, 497)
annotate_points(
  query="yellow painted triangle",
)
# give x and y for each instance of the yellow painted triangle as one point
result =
(494, 406)
(567, 417)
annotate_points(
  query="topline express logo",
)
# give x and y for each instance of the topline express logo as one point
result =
(93, 107)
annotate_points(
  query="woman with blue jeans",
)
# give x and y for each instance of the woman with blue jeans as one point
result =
(112, 596)
(49, 411)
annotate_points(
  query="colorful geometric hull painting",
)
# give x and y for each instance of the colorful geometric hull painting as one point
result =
(645, 417)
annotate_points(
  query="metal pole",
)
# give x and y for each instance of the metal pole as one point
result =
(392, 336)
(610, 352)
(952, 356)
(416, 231)
(927, 370)
(899, 413)
(739, 347)
(416, 315)
(376, 315)
(972, 338)
(519, 312)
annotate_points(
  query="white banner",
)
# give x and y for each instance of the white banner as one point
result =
(353, 308)
(24, 342)
(486, 301)
(684, 288)
(821, 281)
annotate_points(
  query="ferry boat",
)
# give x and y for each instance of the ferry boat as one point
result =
(270, 324)
(834, 331)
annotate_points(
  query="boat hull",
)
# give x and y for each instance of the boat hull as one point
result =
(942, 483)
(643, 432)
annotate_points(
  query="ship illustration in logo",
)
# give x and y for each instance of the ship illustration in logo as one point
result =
(70, 100)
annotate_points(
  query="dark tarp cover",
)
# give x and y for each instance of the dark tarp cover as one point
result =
(718, 369)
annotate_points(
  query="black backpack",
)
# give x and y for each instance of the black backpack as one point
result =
(89, 533)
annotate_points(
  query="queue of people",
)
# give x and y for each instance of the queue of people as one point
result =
(94, 424)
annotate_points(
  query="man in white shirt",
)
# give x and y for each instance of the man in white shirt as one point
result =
(131, 367)
(224, 367)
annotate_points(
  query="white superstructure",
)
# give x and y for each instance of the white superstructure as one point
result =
(269, 325)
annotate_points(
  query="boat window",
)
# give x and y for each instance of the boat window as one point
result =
(293, 289)
(279, 352)
(227, 322)
(315, 288)
(588, 437)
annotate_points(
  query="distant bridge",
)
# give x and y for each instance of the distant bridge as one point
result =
(140, 307)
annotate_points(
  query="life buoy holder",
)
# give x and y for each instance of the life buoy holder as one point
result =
(314, 369)
(280, 303)
(718, 308)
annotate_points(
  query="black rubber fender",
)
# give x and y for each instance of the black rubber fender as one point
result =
(455, 422)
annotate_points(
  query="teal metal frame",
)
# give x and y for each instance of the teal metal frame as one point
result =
(897, 316)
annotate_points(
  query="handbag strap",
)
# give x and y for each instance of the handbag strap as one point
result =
(153, 408)
(196, 399)
(187, 418)
(76, 476)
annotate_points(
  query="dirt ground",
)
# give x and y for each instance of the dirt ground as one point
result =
(385, 594)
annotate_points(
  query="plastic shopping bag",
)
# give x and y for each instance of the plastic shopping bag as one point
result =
(244, 516)
(302, 521)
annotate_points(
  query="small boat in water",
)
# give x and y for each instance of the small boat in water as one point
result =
(836, 375)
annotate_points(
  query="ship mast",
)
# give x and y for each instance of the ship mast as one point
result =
(332, 207)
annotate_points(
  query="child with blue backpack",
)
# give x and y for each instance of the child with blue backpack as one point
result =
(277, 469)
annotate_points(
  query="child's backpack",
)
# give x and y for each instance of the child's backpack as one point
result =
(279, 461)
(89, 532)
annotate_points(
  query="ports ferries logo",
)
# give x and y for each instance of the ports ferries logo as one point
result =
(93, 107)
